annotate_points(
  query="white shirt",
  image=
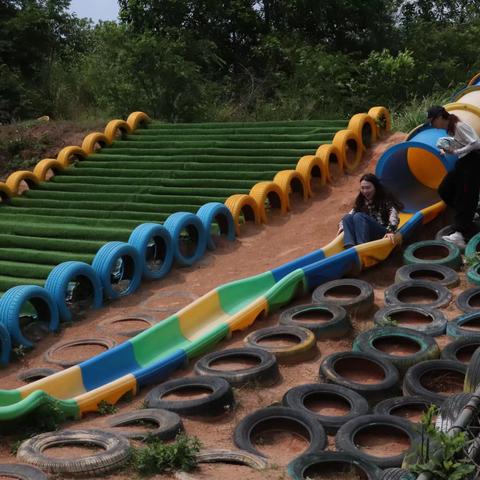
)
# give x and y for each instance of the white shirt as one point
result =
(465, 140)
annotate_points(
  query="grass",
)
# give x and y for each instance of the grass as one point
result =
(105, 408)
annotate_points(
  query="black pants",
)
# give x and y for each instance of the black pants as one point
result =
(460, 189)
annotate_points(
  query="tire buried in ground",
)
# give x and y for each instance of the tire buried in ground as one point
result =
(264, 371)
(434, 273)
(21, 472)
(469, 300)
(390, 406)
(456, 327)
(439, 295)
(116, 451)
(105, 326)
(300, 397)
(275, 416)
(218, 400)
(461, 349)
(347, 437)
(433, 252)
(336, 325)
(33, 374)
(237, 457)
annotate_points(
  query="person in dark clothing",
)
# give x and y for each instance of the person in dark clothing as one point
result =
(460, 187)
(374, 215)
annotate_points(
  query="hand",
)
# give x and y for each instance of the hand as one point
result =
(390, 236)
(442, 152)
(340, 230)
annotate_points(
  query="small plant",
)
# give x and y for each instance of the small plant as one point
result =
(440, 454)
(388, 321)
(19, 351)
(158, 457)
(472, 260)
(105, 408)
(14, 446)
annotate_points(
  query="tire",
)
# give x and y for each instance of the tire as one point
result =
(365, 342)
(412, 382)
(343, 463)
(215, 211)
(336, 327)
(360, 302)
(285, 354)
(105, 261)
(465, 299)
(390, 405)
(452, 257)
(218, 401)
(168, 424)
(58, 280)
(443, 295)
(5, 345)
(238, 457)
(473, 246)
(438, 273)
(460, 346)
(373, 392)
(345, 438)
(116, 451)
(397, 474)
(33, 374)
(243, 431)
(435, 328)
(155, 239)
(11, 304)
(472, 377)
(296, 397)
(450, 411)
(473, 274)
(21, 472)
(105, 326)
(265, 372)
(50, 353)
(179, 221)
(456, 329)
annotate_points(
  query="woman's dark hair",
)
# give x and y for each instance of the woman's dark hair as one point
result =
(382, 199)
(437, 111)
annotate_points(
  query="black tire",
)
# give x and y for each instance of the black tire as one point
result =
(447, 276)
(265, 372)
(436, 327)
(33, 374)
(115, 452)
(442, 294)
(446, 230)
(296, 398)
(49, 355)
(168, 424)
(336, 327)
(397, 474)
(472, 377)
(275, 415)
(461, 347)
(343, 463)
(456, 329)
(390, 405)
(238, 457)
(466, 298)
(450, 255)
(450, 411)
(367, 342)
(373, 392)
(360, 296)
(22, 472)
(345, 440)
(412, 382)
(106, 325)
(217, 402)
(291, 353)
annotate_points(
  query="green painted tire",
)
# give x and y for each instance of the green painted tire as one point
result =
(451, 257)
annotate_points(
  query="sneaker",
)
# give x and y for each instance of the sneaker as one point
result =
(456, 238)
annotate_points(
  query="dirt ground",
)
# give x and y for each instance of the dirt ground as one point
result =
(309, 226)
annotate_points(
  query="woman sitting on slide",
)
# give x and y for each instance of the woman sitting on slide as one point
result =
(373, 216)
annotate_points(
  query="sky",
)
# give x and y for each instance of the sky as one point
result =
(95, 9)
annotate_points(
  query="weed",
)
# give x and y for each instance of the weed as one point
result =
(158, 457)
(14, 446)
(19, 351)
(388, 321)
(472, 260)
(105, 408)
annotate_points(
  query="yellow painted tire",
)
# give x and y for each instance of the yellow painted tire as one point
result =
(92, 139)
(365, 127)
(137, 118)
(15, 179)
(43, 166)
(268, 191)
(345, 140)
(5, 192)
(113, 126)
(312, 167)
(65, 155)
(474, 79)
(330, 153)
(239, 204)
(382, 119)
(467, 113)
(292, 181)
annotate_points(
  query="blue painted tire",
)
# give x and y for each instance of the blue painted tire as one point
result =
(105, 260)
(59, 278)
(456, 329)
(11, 304)
(141, 238)
(5, 345)
(216, 212)
(179, 221)
(473, 274)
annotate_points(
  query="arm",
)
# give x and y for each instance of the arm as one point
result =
(466, 136)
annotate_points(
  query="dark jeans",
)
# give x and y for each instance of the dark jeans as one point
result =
(460, 189)
(361, 228)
